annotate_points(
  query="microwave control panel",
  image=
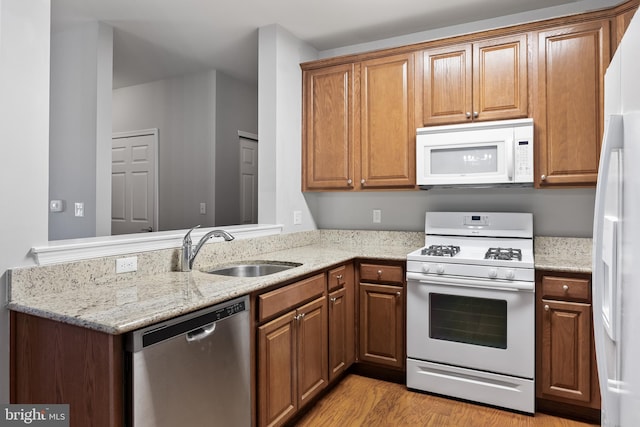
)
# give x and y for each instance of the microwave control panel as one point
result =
(523, 153)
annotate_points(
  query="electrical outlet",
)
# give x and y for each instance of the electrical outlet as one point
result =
(126, 265)
(297, 217)
(79, 209)
(203, 208)
(377, 216)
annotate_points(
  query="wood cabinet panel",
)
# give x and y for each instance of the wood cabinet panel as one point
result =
(566, 288)
(279, 300)
(500, 73)
(447, 85)
(329, 128)
(277, 380)
(342, 325)
(569, 115)
(57, 363)
(566, 350)
(387, 125)
(312, 349)
(382, 325)
(484, 80)
(381, 273)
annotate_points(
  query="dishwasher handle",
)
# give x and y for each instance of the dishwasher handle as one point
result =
(200, 333)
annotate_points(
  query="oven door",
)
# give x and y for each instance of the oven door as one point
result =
(472, 323)
(480, 157)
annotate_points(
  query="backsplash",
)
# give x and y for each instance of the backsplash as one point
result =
(80, 274)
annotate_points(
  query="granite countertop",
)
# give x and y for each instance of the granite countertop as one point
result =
(568, 254)
(120, 306)
(86, 296)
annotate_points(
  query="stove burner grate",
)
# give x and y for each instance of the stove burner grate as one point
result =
(441, 250)
(504, 254)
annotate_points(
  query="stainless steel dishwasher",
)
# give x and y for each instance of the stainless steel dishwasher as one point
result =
(193, 370)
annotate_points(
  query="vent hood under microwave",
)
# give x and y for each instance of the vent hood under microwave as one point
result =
(485, 154)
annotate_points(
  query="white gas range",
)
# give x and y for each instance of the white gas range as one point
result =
(470, 309)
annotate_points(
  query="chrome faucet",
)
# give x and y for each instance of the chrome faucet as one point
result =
(188, 251)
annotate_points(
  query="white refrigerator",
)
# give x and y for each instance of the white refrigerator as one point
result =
(616, 239)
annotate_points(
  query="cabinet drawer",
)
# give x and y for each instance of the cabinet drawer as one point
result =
(381, 273)
(566, 287)
(337, 277)
(289, 296)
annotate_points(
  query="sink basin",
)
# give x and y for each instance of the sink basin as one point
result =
(254, 268)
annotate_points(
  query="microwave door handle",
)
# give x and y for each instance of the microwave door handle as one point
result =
(510, 160)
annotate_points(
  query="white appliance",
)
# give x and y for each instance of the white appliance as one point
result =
(616, 239)
(481, 154)
(470, 309)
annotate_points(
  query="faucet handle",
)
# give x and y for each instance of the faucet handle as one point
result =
(187, 237)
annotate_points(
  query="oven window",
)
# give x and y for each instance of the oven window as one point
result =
(464, 160)
(478, 321)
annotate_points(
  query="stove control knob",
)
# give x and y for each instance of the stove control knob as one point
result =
(510, 274)
(439, 268)
(493, 273)
(426, 268)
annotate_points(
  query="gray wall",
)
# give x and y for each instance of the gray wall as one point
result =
(236, 109)
(183, 109)
(24, 146)
(80, 130)
(555, 212)
(198, 116)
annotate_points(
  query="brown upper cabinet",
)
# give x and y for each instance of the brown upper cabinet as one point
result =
(569, 77)
(484, 80)
(359, 129)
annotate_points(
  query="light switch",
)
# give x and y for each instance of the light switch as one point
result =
(203, 208)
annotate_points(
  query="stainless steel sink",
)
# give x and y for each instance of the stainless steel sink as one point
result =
(254, 268)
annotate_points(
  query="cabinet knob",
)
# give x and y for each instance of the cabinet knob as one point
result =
(339, 277)
(546, 307)
(543, 177)
(363, 181)
(349, 182)
(565, 288)
(468, 114)
(379, 274)
(334, 299)
(475, 114)
(398, 294)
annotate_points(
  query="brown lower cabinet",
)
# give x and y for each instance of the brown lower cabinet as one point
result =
(381, 315)
(57, 363)
(566, 372)
(311, 344)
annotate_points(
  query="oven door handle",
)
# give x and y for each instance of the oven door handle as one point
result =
(471, 283)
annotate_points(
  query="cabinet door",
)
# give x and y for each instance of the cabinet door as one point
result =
(277, 379)
(337, 333)
(569, 103)
(566, 350)
(328, 128)
(342, 324)
(381, 325)
(312, 349)
(500, 78)
(447, 85)
(387, 124)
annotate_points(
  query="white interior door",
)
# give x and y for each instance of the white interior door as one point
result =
(249, 180)
(134, 182)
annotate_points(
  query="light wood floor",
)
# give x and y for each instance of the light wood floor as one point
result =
(361, 401)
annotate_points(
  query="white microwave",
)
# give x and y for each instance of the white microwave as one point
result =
(484, 154)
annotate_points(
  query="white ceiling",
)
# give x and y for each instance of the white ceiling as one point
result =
(155, 39)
